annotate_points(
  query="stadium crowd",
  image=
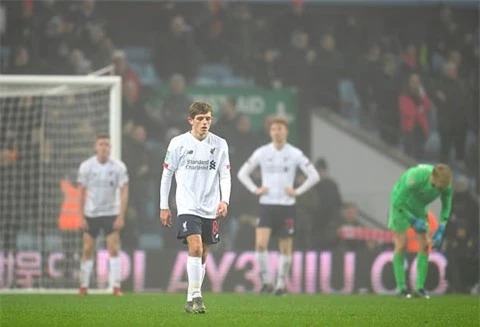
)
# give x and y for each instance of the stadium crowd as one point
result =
(407, 75)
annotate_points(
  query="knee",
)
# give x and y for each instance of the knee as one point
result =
(195, 250)
(260, 248)
(400, 247)
(87, 251)
(423, 248)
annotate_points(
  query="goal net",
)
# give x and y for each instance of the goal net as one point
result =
(47, 128)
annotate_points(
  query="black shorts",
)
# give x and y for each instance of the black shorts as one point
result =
(280, 219)
(191, 224)
(96, 224)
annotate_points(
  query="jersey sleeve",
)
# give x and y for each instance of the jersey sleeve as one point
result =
(446, 199)
(172, 156)
(254, 159)
(309, 170)
(225, 175)
(123, 175)
(82, 174)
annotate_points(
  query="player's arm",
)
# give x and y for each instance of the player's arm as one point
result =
(124, 192)
(225, 183)
(170, 164)
(82, 181)
(312, 175)
(446, 198)
(247, 168)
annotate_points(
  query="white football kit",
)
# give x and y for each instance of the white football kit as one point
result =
(102, 182)
(278, 169)
(202, 173)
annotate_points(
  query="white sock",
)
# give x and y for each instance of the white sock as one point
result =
(189, 294)
(262, 258)
(283, 270)
(114, 272)
(86, 267)
(194, 272)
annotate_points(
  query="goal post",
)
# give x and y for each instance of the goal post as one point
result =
(47, 128)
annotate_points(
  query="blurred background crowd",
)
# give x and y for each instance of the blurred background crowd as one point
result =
(407, 75)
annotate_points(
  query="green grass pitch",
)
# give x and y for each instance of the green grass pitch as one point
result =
(238, 310)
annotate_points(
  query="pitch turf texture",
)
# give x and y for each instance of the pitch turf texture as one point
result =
(237, 310)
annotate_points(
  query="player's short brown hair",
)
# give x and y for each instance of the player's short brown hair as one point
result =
(442, 174)
(199, 108)
(102, 136)
(279, 120)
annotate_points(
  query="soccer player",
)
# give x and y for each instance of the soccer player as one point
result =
(416, 188)
(278, 163)
(201, 165)
(103, 189)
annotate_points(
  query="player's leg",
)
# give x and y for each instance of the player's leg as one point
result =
(86, 264)
(400, 244)
(195, 272)
(422, 265)
(190, 230)
(398, 223)
(114, 272)
(262, 237)
(285, 245)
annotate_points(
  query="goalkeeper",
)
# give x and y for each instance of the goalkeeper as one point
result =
(416, 188)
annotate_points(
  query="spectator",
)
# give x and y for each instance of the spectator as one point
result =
(368, 73)
(387, 89)
(175, 104)
(413, 104)
(21, 63)
(328, 206)
(329, 68)
(122, 68)
(410, 62)
(212, 35)
(348, 218)
(226, 124)
(452, 114)
(350, 41)
(79, 65)
(296, 19)
(242, 39)
(461, 239)
(267, 69)
(175, 51)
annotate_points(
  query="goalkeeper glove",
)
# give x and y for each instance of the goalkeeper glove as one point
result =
(418, 225)
(438, 236)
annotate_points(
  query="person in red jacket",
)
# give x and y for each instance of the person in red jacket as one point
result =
(413, 105)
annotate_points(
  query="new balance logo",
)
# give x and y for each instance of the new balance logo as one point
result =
(213, 164)
(212, 150)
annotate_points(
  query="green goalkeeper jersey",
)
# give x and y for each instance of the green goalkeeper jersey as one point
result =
(414, 191)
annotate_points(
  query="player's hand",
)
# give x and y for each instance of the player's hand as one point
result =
(419, 225)
(119, 223)
(290, 192)
(83, 224)
(261, 190)
(222, 209)
(438, 236)
(166, 217)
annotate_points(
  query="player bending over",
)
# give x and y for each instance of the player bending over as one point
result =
(200, 162)
(278, 163)
(103, 198)
(416, 188)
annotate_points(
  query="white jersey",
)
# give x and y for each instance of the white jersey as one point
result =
(278, 169)
(202, 173)
(102, 182)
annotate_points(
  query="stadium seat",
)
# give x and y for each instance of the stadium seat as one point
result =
(138, 54)
(150, 242)
(27, 241)
(215, 70)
